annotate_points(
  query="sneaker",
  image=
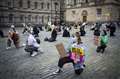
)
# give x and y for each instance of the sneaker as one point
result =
(83, 66)
(8, 47)
(57, 71)
(34, 54)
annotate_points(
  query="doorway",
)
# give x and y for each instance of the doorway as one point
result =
(84, 18)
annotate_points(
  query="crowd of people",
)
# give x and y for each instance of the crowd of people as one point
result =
(76, 49)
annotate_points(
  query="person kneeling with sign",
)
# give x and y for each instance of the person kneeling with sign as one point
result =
(76, 56)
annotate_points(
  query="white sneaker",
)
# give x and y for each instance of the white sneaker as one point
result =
(8, 47)
(34, 54)
(83, 66)
(57, 71)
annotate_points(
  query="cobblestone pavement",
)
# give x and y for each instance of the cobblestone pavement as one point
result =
(17, 64)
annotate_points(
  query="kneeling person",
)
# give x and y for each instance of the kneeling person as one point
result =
(76, 56)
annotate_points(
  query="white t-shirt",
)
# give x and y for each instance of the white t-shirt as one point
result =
(32, 41)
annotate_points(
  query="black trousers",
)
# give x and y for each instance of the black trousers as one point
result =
(101, 48)
(64, 60)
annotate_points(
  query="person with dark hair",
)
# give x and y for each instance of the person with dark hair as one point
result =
(36, 31)
(76, 56)
(96, 36)
(66, 32)
(32, 45)
(53, 36)
(82, 29)
(16, 38)
(103, 42)
(25, 28)
(112, 29)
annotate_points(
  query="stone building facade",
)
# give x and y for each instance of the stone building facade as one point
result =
(92, 10)
(30, 11)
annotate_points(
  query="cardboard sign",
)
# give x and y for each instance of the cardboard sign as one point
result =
(61, 50)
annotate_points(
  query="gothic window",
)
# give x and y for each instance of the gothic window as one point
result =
(56, 5)
(42, 19)
(36, 18)
(86, 1)
(69, 2)
(119, 14)
(42, 5)
(75, 2)
(9, 4)
(20, 3)
(28, 3)
(48, 5)
(99, 11)
(10, 18)
(29, 18)
(21, 17)
(79, 1)
(48, 18)
(36, 5)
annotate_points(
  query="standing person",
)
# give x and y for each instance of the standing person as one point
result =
(73, 57)
(103, 42)
(82, 29)
(112, 29)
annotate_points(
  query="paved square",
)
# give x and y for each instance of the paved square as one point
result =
(17, 64)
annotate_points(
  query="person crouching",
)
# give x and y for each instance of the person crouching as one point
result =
(32, 45)
(76, 57)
